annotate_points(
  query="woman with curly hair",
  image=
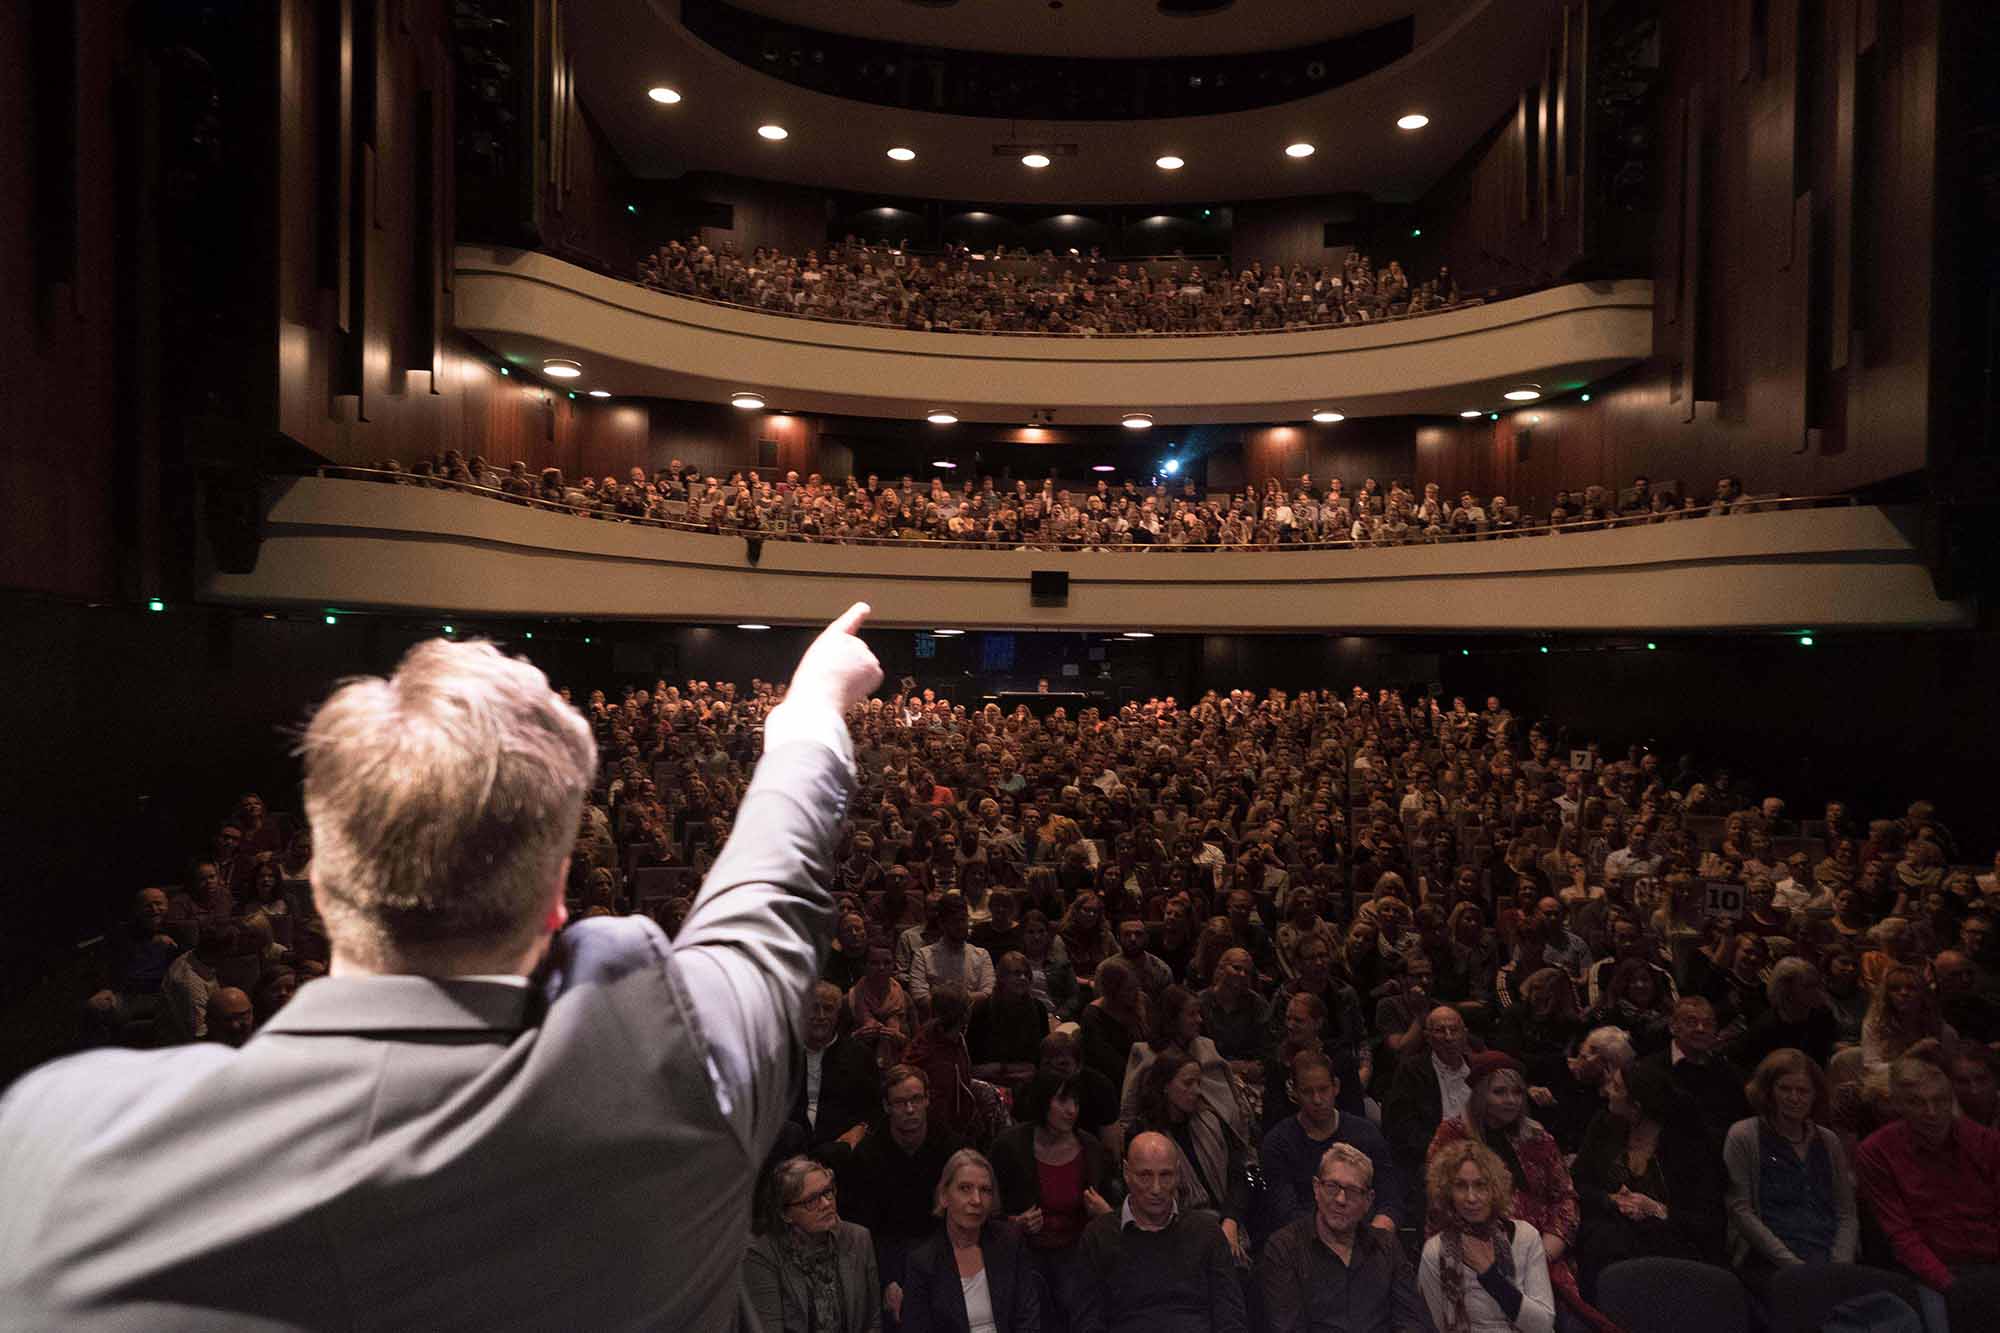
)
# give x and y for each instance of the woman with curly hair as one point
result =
(1496, 1116)
(1902, 1012)
(1483, 1271)
(1087, 940)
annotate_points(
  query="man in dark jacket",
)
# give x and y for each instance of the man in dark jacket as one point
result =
(1151, 1268)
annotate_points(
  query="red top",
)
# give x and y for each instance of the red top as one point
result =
(1062, 1204)
(1938, 1208)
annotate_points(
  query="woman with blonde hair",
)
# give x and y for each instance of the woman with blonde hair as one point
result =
(1902, 1012)
(1483, 1271)
(975, 1273)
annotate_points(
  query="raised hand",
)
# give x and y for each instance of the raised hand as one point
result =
(838, 669)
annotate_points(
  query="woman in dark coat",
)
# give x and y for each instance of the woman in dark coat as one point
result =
(974, 1275)
(1052, 1177)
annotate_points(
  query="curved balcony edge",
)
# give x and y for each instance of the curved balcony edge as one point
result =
(634, 340)
(364, 545)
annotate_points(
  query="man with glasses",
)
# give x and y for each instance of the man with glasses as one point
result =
(892, 1176)
(1327, 1272)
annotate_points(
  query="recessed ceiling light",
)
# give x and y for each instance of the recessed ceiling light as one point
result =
(1035, 160)
(1137, 421)
(600, 393)
(1471, 412)
(946, 633)
(773, 132)
(903, 154)
(944, 463)
(749, 402)
(1169, 162)
(1416, 120)
(1138, 634)
(1299, 150)
(1523, 393)
(752, 625)
(1327, 418)
(561, 368)
(664, 96)
(942, 419)
(1102, 467)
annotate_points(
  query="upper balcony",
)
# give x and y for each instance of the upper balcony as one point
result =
(634, 341)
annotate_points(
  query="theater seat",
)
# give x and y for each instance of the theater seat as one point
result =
(1673, 1296)
(1803, 1296)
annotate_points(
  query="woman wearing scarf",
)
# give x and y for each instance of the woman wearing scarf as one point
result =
(1543, 1197)
(808, 1271)
(1483, 1272)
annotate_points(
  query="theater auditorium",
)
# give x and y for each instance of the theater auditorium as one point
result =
(1006, 666)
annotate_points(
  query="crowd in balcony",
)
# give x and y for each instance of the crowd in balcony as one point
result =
(973, 292)
(1320, 1011)
(993, 513)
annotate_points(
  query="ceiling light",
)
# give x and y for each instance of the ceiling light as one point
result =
(562, 368)
(664, 96)
(1299, 150)
(1327, 418)
(753, 625)
(1035, 160)
(773, 132)
(1137, 421)
(749, 402)
(600, 393)
(1102, 467)
(1169, 162)
(1471, 413)
(1416, 120)
(1171, 466)
(1523, 393)
(903, 154)
(1138, 634)
(942, 419)
(946, 633)
(944, 463)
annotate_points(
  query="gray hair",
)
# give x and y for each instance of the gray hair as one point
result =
(956, 1163)
(1350, 1156)
(1612, 1045)
(1787, 975)
(443, 802)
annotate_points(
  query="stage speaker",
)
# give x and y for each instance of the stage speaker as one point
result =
(1048, 587)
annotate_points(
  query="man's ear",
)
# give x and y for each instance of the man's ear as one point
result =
(558, 913)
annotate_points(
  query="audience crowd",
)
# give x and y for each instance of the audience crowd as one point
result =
(1297, 1012)
(967, 292)
(994, 514)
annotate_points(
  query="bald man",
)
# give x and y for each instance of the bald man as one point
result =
(1151, 1266)
(230, 1018)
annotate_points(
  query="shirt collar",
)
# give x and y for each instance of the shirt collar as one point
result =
(1127, 1218)
(1460, 1070)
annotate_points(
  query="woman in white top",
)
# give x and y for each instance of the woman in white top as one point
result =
(974, 1276)
(1482, 1272)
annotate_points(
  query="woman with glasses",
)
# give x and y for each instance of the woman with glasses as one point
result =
(807, 1271)
(974, 1276)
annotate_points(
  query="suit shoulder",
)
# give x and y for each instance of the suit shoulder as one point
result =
(96, 1086)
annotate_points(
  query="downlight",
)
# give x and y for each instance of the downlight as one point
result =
(562, 368)
(1137, 421)
(942, 418)
(746, 400)
(1327, 416)
(1523, 393)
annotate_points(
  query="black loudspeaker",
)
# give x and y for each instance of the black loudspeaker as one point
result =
(1048, 587)
(753, 549)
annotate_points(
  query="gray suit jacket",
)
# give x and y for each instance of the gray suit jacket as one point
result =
(399, 1152)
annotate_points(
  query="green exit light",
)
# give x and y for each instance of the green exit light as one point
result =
(331, 620)
(1545, 647)
(586, 638)
(1416, 231)
(631, 208)
(1805, 641)
(449, 630)
(1586, 398)
(156, 605)
(1465, 652)
(531, 634)
(1652, 647)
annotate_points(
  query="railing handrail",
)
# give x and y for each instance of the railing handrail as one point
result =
(1747, 505)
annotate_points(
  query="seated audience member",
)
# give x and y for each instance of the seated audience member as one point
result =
(1051, 977)
(1932, 1181)
(939, 1050)
(878, 1008)
(1329, 1272)
(1176, 1027)
(847, 960)
(892, 1174)
(1096, 1095)
(1431, 1086)
(1692, 1064)
(208, 903)
(1496, 1116)
(837, 1080)
(132, 961)
(1114, 1020)
(1234, 1016)
(974, 1272)
(1155, 1266)
(190, 983)
(1791, 1190)
(230, 1017)
(1004, 1034)
(807, 1271)
(1291, 1151)
(1303, 1014)
(1543, 1027)
(1152, 971)
(1649, 1182)
(1902, 1012)
(1632, 1000)
(1344, 1027)
(953, 958)
(1971, 1013)
(1213, 1174)
(1482, 1270)
(1052, 1177)
(1798, 1018)
(1975, 1077)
